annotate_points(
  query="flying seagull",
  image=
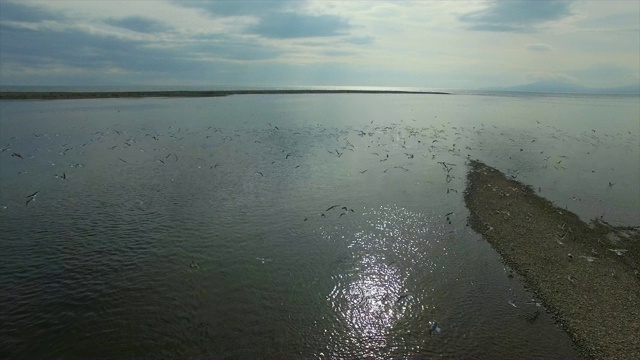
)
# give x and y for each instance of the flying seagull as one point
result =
(618, 252)
(31, 197)
(434, 328)
(166, 157)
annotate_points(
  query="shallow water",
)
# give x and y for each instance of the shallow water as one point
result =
(193, 227)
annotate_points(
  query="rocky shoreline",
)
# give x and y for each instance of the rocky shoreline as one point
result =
(60, 95)
(586, 273)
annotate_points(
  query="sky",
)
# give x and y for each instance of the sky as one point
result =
(428, 44)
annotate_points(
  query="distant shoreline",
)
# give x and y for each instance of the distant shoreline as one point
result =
(62, 95)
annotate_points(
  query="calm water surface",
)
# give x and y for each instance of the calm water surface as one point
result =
(202, 227)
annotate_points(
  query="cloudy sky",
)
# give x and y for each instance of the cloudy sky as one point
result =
(433, 44)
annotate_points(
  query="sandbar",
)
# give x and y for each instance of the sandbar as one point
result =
(593, 292)
(60, 95)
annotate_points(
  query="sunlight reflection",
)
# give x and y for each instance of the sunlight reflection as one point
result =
(367, 301)
(371, 296)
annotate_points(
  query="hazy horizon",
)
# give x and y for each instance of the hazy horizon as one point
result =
(435, 45)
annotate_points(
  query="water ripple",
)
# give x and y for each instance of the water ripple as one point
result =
(196, 228)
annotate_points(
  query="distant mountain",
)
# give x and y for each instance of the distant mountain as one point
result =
(566, 87)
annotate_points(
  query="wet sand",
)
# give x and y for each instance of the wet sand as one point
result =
(59, 95)
(593, 292)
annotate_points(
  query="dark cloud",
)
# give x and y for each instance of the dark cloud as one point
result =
(288, 25)
(10, 11)
(69, 47)
(85, 52)
(276, 19)
(139, 24)
(37, 52)
(241, 8)
(516, 15)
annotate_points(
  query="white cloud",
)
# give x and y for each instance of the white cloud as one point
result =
(410, 43)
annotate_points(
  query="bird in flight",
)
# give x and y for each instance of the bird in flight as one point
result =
(31, 197)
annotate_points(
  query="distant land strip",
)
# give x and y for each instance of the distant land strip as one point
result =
(59, 95)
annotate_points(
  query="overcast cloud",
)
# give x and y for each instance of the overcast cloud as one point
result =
(350, 43)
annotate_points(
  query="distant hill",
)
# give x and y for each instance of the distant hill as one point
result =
(566, 87)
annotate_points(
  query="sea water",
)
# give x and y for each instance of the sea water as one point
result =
(289, 225)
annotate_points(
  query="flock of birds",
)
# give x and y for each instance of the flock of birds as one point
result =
(403, 145)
